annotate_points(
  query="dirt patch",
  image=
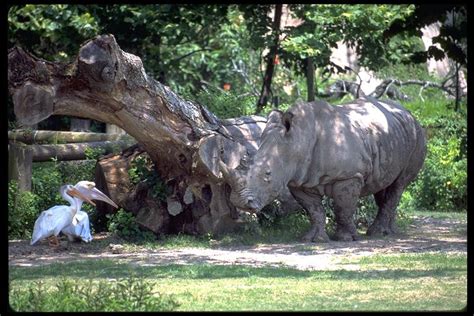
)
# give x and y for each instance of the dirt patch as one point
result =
(426, 234)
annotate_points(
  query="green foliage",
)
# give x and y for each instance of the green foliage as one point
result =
(227, 104)
(75, 171)
(124, 225)
(67, 295)
(142, 169)
(366, 212)
(22, 212)
(442, 183)
(94, 153)
(51, 31)
(45, 183)
(324, 25)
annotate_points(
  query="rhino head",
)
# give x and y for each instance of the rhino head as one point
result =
(271, 169)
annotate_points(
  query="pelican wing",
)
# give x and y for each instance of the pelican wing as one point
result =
(50, 222)
(81, 229)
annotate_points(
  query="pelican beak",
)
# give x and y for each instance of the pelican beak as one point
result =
(76, 193)
(95, 194)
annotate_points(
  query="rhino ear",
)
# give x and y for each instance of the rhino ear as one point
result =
(287, 120)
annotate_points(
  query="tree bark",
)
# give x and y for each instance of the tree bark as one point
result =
(183, 139)
(310, 78)
(267, 80)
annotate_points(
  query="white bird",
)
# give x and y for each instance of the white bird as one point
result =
(53, 220)
(82, 229)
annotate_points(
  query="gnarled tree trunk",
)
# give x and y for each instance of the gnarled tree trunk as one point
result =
(183, 139)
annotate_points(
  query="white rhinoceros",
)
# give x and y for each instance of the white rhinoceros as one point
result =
(344, 151)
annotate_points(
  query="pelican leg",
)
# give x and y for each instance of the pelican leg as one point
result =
(53, 241)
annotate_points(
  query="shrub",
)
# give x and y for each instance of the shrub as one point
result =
(142, 170)
(293, 225)
(22, 212)
(75, 171)
(442, 183)
(45, 183)
(124, 225)
(132, 294)
(226, 104)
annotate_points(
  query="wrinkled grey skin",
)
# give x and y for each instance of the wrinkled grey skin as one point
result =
(345, 152)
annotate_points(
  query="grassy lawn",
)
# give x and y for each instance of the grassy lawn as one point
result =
(409, 282)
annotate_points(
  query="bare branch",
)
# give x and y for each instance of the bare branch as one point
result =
(188, 54)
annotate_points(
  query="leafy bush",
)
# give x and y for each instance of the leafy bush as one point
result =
(293, 225)
(141, 169)
(124, 225)
(366, 212)
(132, 294)
(45, 183)
(22, 212)
(442, 183)
(94, 153)
(226, 104)
(75, 171)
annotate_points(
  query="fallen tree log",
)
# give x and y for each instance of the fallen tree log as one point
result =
(52, 137)
(183, 139)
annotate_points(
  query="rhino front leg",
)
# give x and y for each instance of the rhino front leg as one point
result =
(346, 194)
(311, 201)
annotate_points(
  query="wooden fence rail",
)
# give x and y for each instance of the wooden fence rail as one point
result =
(34, 136)
(21, 156)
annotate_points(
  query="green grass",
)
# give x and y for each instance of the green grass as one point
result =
(287, 229)
(460, 216)
(408, 282)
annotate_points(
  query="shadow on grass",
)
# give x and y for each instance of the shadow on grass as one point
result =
(110, 269)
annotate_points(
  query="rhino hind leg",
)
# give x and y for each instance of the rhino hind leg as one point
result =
(346, 194)
(311, 202)
(387, 201)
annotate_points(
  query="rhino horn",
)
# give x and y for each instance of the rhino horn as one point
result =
(227, 173)
(230, 175)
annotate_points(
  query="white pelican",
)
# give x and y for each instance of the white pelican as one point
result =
(53, 220)
(82, 229)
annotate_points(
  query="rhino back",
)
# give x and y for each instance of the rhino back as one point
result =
(371, 140)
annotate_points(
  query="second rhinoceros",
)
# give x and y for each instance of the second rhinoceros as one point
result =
(345, 152)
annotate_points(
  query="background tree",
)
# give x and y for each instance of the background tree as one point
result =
(308, 45)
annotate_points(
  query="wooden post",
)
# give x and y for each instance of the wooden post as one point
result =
(80, 125)
(113, 129)
(20, 160)
(310, 78)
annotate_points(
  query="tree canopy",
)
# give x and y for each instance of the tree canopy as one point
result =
(196, 47)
